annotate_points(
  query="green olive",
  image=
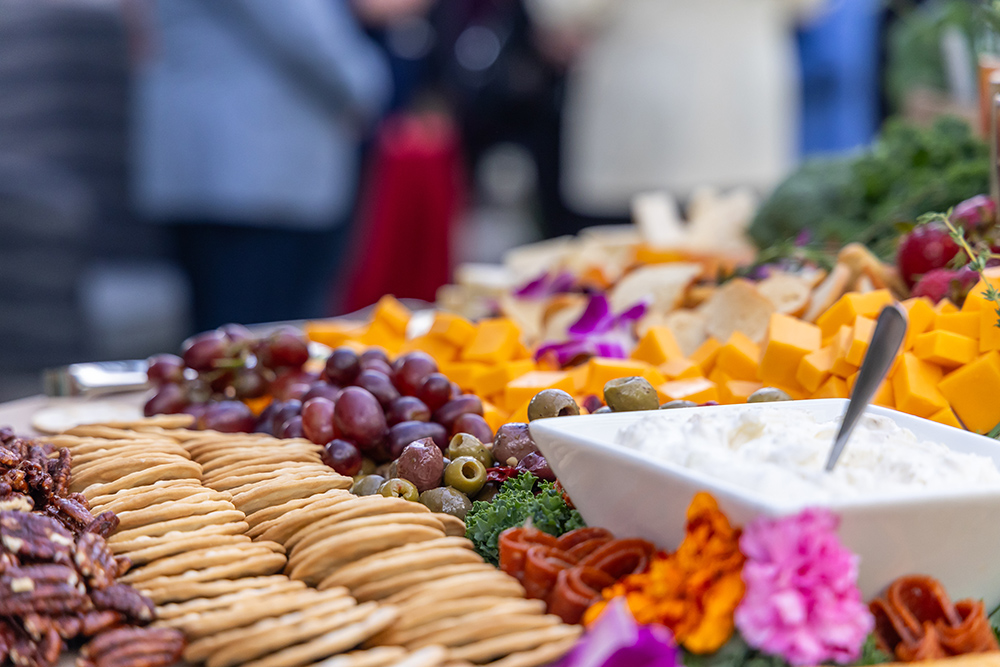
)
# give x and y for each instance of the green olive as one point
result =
(630, 394)
(448, 500)
(464, 444)
(465, 474)
(367, 485)
(671, 405)
(399, 488)
(367, 467)
(602, 410)
(768, 395)
(551, 403)
(488, 492)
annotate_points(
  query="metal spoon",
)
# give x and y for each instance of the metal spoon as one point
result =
(890, 330)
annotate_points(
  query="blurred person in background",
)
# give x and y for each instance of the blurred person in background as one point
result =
(673, 95)
(247, 124)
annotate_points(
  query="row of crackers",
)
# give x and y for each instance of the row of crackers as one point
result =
(379, 553)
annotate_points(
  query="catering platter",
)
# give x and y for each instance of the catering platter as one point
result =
(458, 485)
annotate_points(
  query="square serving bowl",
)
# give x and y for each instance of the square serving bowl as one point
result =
(953, 536)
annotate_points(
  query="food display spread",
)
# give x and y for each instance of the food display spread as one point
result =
(374, 491)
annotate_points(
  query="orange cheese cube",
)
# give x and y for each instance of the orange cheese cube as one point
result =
(739, 357)
(735, 392)
(884, 395)
(788, 340)
(494, 416)
(964, 324)
(915, 387)
(719, 376)
(523, 389)
(680, 369)
(463, 372)
(657, 346)
(392, 313)
(522, 351)
(698, 390)
(946, 307)
(494, 342)
(860, 337)
(492, 379)
(976, 299)
(920, 317)
(947, 417)
(453, 328)
(579, 374)
(383, 335)
(849, 306)
(815, 368)
(946, 348)
(706, 355)
(841, 343)
(972, 391)
(602, 370)
(437, 347)
(333, 332)
(520, 414)
(834, 387)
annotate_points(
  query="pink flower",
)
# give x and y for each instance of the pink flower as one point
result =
(616, 640)
(802, 601)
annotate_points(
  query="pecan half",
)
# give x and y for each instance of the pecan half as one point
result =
(36, 537)
(103, 524)
(136, 607)
(95, 561)
(16, 502)
(60, 469)
(135, 646)
(42, 589)
(74, 513)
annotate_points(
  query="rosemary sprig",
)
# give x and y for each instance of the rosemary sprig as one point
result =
(977, 260)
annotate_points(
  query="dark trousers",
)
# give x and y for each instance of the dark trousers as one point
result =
(250, 275)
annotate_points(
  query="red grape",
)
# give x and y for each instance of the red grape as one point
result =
(249, 383)
(379, 385)
(324, 389)
(591, 403)
(376, 365)
(238, 335)
(286, 347)
(473, 424)
(196, 410)
(358, 417)
(317, 420)
(343, 457)
(411, 371)
(435, 391)
(165, 369)
(342, 367)
(282, 384)
(168, 399)
(924, 249)
(453, 409)
(403, 433)
(292, 428)
(203, 350)
(276, 414)
(376, 354)
(227, 417)
(407, 409)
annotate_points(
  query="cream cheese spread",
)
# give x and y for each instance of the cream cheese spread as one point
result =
(780, 455)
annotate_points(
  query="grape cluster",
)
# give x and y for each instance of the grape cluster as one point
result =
(219, 369)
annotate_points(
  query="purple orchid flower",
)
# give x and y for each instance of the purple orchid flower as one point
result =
(598, 332)
(545, 285)
(616, 640)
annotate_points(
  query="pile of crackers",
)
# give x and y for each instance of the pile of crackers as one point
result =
(261, 556)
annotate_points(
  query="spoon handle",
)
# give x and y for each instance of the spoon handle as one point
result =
(890, 330)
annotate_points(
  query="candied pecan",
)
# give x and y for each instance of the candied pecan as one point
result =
(59, 470)
(96, 622)
(7, 638)
(7, 560)
(68, 626)
(103, 524)
(51, 589)
(135, 647)
(123, 564)
(16, 502)
(16, 480)
(8, 458)
(74, 514)
(136, 607)
(95, 561)
(36, 537)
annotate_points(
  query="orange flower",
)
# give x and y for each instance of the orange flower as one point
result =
(693, 591)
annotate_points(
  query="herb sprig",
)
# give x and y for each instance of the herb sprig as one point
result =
(977, 259)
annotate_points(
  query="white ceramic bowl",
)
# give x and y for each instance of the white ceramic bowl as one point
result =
(953, 536)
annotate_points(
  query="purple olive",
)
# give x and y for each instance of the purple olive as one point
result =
(513, 442)
(536, 464)
(422, 463)
(403, 433)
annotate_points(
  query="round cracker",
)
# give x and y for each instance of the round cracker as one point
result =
(253, 466)
(111, 470)
(276, 512)
(323, 532)
(383, 656)
(167, 511)
(379, 590)
(484, 583)
(186, 523)
(140, 557)
(363, 506)
(181, 420)
(428, 656)
(250, 565)
(188, 590)
(245, 457)
(148, 489)
(381, 567)
(198, 559)
(249, 596)
(496, 647)
(455, 613)
(147, 541)
(282, 489)
(304, 513)
(99, 453)
(317, 562)
(453, 526)
(187, 470)
(330, 643)
(499, 624)
(546, 654)
(148, 500)
(238, 483)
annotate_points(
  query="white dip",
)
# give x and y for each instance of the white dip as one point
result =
(780, 455)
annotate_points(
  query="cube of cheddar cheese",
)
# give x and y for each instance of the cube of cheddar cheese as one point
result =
(815, 367)
(834, 387)
(964, 324)
(920, 317)
(739, 358)
(947, 417)
(392, 313)
(455, 329)
(494, 342)
(602, 370)
(521, 390)
(861, 335)
(699, 390)
(788, 340)
(849, 307)
(706, 355)
(915, 386)
(735, 392)
(946, 348)
(680, 369)
(657, 346)
(972, 391)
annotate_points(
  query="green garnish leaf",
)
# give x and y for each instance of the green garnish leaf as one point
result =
(514, 504)
(871, 654)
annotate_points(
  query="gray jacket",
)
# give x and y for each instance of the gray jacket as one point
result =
(251, 111)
